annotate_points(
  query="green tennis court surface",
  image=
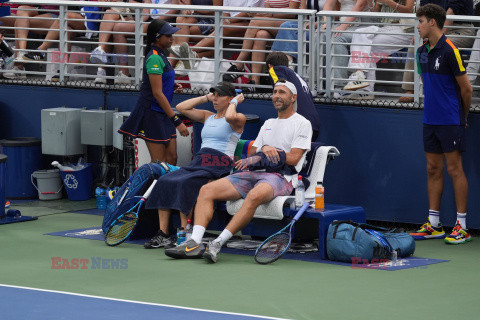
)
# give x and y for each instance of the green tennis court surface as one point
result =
(236, 284)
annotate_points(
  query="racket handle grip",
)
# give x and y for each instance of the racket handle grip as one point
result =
(301, 211)
(149, 190)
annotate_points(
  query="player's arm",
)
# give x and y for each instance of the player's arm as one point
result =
(235, 119)
(294, 156)
(187, 108)
(466, 92)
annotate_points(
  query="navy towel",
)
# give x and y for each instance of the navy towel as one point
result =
(179, 189)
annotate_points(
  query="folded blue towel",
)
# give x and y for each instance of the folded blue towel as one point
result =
(179, 189)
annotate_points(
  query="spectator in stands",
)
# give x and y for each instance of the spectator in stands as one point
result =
(260, 30)
(377, 42)
(192, 24)
(341, 50)
(277, 66)
(283, 140)
(448, 95)
(29, 18)
(122, 29)
(153, 119)
(74, 25)
(221, 132)
(287, 37)
(10, 20)
(112, 17)
(232, 20)
(461, 36)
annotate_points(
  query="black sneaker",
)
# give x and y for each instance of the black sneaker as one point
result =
(187, 250)
(34, 56)
(234, 76)
(160, 240)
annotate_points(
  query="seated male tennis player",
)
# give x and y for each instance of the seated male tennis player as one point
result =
(286, 138)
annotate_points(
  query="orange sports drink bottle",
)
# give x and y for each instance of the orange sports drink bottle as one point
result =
(319, 197)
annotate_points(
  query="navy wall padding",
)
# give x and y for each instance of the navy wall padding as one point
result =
(381, 166)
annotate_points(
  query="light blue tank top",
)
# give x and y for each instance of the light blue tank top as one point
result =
(217, 134)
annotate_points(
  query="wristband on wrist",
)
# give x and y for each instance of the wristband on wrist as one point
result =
(206, 97)
(176, 120)
(234, 101)
(396, 7)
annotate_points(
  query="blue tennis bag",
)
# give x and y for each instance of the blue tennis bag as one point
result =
(348, 241)
(128, 195)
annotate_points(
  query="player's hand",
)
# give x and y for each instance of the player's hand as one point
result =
(183, 130)
(271, 153)
(245, 163)
(178, 88)
(210, 96)
(240, 98)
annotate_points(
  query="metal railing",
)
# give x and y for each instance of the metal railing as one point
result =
(315, 48)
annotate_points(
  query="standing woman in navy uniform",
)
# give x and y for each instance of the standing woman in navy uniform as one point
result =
(153, 119)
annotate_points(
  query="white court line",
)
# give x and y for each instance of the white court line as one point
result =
(141, 302)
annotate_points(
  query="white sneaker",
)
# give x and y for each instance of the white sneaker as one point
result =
(20, 55)
(341, 95)
(188, 55)
(122, 78)
(180, 69)
(175, 50)
(362, 95)
(98, 56)
(101, 73)
(357, 81)
(15, 74)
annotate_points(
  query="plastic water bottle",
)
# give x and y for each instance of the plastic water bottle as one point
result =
(299, 193)
(101, 198)
(181, 236)
(188, 230)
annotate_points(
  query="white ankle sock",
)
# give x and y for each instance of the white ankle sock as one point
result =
(462, 219)
(197, 233)
(224, 237)
(434, 218)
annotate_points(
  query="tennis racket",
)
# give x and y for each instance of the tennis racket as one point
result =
(277, 244)
(121, 228)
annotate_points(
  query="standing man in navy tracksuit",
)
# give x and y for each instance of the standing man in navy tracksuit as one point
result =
(277, 64)
(448, 96)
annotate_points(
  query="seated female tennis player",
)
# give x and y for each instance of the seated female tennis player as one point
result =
(179, 189)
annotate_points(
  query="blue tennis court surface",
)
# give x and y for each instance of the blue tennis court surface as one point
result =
(30, 303)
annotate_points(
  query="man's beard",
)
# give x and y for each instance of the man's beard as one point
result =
(283, 107)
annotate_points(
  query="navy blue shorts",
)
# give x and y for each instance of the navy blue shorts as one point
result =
(443, 139)
(149, 125)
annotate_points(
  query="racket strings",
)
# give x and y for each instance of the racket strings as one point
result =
(121, 229)
(273, 248)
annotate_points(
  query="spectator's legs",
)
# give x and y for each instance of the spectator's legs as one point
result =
(258, 58)
(183, 35)
(21, 24)
(106, 26)
(255, 26)
(53, 33)
(210, 42)
(340, 61)
(290, 48)
(380, 51)
(474, 64)
(8, 21)
(127, 27)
